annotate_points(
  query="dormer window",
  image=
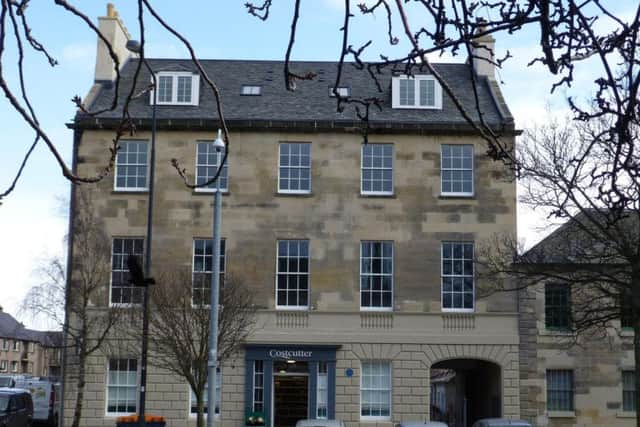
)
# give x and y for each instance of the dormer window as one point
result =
(248, 90)
(177, 88)
(419, 91)
(343, 91)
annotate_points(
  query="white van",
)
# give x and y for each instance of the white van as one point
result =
(43, 393)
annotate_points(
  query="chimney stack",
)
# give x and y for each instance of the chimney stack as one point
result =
(112, 28)
(483, 54)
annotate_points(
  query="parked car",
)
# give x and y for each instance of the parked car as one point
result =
(7, 381)
(501, 422)
(44, 395)
(422, 424)
(319, 423)
(16, 407)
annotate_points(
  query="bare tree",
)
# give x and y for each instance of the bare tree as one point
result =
(574, 36)
(581, 175)
(179, 327)
(89, 324)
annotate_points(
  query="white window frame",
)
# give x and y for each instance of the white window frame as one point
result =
(195, 87)
(452, 275)
(289, 191)
(118, 165)
(374, 168)
(3, 366)
(390, 390)
(251, 90)
(14, 366)
(254, 388)
(381, 275)
(141, 258)
(462, 169)
(193, 414)
(107, 384)
(5, 344)
(224, 175)
(322, 391)
(307, 274)
(16, 345)
(343, 91)
(223, 264)
(395, 92)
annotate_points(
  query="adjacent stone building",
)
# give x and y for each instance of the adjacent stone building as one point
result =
(575, 370)
(359, 255)
(26, 351)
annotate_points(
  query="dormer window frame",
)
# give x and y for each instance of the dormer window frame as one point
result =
(417, 85)
(343, 91)
(251, 90)
(176, 77)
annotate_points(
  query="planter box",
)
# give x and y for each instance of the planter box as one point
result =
(135, 424)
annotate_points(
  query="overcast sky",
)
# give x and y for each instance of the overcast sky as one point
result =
(33, 219)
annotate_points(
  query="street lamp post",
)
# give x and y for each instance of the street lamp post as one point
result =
(135, 47)
(212, 363)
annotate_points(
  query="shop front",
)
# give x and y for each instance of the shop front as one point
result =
(286, 383)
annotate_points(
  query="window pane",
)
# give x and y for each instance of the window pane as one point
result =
(295, 167)
(131, 165)
(376, 274)
(457, 169)
(560, 390)
(407, 90)
(122, 385)
(203, 267)
(377, 168)
(427, 92)
(207, 165)
(292, 281)
(165, 89)
(457, 275)
(375, 389)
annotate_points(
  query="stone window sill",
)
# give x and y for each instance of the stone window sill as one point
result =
(561, 414)
(626, 414)
(556, 333)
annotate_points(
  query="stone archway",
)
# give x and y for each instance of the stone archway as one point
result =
(465, 390)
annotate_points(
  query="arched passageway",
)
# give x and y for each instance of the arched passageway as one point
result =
(464, 391)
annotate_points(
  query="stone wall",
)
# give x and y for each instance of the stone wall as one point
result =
(597, 361)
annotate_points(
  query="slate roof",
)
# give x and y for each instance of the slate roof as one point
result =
(309, 105)
(571, 244)
(12, 329)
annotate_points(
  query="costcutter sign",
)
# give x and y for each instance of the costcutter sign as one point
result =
(290, 354)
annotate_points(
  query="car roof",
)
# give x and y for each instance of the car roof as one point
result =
(319, 423)
(499, 422)
(423, 424)
(8, 390)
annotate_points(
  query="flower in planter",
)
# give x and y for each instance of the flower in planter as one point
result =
(133, 419)
(255, 419)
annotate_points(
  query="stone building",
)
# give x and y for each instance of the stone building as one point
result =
(358, 255)
(571, 375)
(26, 351)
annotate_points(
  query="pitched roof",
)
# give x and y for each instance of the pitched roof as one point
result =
(309, 105)
(12, 329)
(590, 237)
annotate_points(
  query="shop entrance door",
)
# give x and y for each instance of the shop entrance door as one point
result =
(290, 396)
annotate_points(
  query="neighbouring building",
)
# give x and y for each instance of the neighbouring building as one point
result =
(571, 375)
(26, 351)
(360, 256)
